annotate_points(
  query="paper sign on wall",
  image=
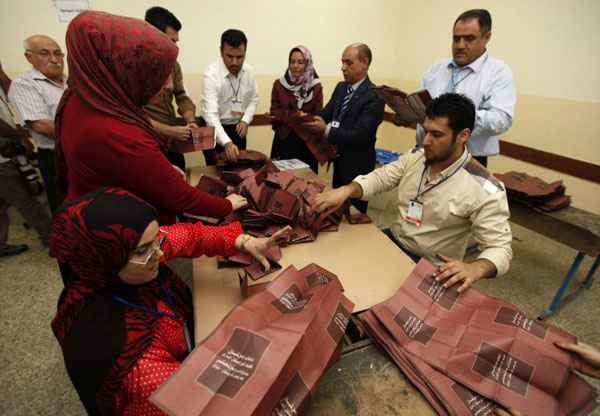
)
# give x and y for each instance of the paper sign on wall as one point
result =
(68, 9)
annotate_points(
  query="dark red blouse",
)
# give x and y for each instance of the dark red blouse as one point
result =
(283, 103)
(102, 151)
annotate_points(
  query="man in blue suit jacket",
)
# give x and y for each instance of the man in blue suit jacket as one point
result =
(351, 118)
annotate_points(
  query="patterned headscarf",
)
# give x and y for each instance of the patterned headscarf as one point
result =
(302, 87)
(93, 236)
(116, 65)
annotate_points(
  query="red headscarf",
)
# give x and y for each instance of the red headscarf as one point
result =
(116, 64)
(93, 236)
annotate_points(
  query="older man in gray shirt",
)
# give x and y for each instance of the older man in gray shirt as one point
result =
(36, 94)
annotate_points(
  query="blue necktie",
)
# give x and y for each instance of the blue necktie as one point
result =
(346, 100)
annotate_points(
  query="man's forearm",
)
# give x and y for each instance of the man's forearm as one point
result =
(161, 128)
(354, 190)
(45, 127)
(485, 268)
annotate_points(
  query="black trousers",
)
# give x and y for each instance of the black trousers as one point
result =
(240, 142)
(481, 159)
(390, 234)
(177, 158)
(360, 205)
(14, 192)
(293, 147)
(48, 169)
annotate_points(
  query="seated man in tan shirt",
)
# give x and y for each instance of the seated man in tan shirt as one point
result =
(444, 196)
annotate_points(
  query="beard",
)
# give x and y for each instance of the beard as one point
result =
(442, 156)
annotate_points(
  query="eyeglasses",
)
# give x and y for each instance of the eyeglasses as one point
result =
(144, 258)
(44, 53)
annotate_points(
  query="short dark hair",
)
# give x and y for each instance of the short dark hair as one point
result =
(160, 18)
(483, 17)
(234, 38)
(459, 109)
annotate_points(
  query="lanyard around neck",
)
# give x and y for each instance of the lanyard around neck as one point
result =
(419, 193)
(160, 314)
(453, 83)
(235, 91)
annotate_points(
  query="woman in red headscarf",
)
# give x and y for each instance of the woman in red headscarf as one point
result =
(116, 65)
(299, 89)
(124, 321)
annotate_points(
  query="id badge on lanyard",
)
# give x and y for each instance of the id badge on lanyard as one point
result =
(415, 212)
(415, 207)
(236, 108)
(236, 103)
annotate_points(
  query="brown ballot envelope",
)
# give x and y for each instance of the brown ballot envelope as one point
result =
(203, 138)
(297, 187)
(410, 108)
(534, 192)
(280, 179)
(251, 218)
(236, 176)
(530, 186)
(251, 190)
(318, 144)
(555, 203)
(267, 355)
(246, 158)
(255, 271)
(486, 345)
(212, 185)
(282, 207)
(354, 216)
(445, 396)
(251, 266)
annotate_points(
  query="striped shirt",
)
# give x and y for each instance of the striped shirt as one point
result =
(36, 97)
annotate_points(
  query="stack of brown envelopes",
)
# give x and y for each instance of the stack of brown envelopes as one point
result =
(213, 186)
(534, 192)
(276, 199)
(268, 354)
(469, 353)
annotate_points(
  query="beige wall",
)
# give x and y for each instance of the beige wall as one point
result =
(551, 46)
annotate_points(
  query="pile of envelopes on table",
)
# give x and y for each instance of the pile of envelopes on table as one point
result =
(534, 192)
(276, 199)
(469, 353)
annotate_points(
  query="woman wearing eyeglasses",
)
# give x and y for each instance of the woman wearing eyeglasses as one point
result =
(124, 321)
